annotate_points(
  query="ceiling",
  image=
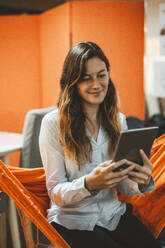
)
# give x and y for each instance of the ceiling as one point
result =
(16, 7)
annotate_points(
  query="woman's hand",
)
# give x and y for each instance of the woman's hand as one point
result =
(103, 176)
(143, 174)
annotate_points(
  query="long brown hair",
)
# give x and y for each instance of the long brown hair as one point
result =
(73, 137)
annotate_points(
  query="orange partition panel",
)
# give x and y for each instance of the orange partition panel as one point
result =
(54, 45)
(19, 70)
(33, 49)
(118, 27)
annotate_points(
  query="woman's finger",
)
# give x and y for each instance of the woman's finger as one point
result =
(137, 180)
(116, 181)
(106, 164)
(142, 168)
(139, 175)
(111, 180)
(115, 165)
(145, 159)
(112, 185)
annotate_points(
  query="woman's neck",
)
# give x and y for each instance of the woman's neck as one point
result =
(92, 121)
(92, 113)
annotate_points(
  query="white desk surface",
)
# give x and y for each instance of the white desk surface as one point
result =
(9, 143)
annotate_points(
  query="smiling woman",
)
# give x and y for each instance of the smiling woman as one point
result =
(92, 89)
(94, 85)
(88, 101)
(77, 142)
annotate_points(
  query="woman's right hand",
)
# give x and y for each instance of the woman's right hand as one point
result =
(104, 176)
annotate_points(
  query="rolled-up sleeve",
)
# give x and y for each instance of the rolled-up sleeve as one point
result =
(149, 188)
(130, 188)
(60, 190)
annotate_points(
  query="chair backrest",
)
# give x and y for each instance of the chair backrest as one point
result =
(30, 155)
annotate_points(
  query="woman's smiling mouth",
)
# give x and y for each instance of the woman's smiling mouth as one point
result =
(95, 93)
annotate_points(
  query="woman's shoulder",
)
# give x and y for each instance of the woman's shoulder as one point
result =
(122, 121)
(121, 116)
(49, 134)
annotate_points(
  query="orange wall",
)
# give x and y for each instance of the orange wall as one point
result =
(54, 45)
(33, 49)
(118, 28)
(19, 70)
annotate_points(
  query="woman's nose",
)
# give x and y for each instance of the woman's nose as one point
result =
(95, 83)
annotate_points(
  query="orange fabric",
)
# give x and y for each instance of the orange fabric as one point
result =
(27, 188)
(151, 208)
(34, 181)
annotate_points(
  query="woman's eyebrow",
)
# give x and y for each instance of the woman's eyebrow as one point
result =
(101, 71)
(86, 74)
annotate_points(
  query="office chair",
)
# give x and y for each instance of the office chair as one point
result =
(30, 155)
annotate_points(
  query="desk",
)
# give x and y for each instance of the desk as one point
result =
(9, 143)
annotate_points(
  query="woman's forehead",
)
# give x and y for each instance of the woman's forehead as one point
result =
(94, 65)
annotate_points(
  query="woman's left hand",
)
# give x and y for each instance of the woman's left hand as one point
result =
(143, 174)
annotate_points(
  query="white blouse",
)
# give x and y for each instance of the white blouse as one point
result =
(72, 205)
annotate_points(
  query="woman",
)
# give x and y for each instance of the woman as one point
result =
(77, 142)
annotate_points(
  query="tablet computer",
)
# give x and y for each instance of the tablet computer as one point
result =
(131, 141)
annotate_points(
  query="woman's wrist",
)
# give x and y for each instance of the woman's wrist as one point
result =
(88, 183)
(89, 187)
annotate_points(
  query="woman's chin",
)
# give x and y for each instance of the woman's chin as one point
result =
(96, 102)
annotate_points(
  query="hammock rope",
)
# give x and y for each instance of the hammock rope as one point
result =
(29, 205)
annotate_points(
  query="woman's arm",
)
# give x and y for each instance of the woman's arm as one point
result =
(60, 190)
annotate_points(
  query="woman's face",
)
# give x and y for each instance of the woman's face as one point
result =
(94, 84)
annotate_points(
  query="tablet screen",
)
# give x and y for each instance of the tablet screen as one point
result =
(132, 141)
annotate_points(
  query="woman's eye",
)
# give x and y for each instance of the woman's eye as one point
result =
(101, 76)
(85, 79)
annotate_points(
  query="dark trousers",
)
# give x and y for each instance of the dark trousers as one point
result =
(130, 233)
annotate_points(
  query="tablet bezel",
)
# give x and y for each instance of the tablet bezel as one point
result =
(131, 141)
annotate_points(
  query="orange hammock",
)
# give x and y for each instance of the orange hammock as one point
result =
(27, 188)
